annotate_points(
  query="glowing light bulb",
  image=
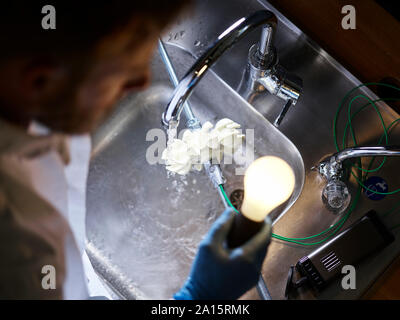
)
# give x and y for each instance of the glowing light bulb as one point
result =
(268, 182)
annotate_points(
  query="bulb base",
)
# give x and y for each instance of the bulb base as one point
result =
(242, 230)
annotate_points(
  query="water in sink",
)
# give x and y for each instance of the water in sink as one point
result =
(143, 224)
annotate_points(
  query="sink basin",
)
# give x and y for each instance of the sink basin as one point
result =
(308, 125)
(143, 224)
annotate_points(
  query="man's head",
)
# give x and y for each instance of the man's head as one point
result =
(71, 77)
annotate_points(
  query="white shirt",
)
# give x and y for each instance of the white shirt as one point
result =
(42, 212)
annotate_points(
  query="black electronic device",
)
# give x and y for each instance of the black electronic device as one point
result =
(363, 238)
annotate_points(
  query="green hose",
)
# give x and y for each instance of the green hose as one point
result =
(331, 231)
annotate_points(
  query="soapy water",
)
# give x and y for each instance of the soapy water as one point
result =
(146, 229)
(200, 146)
(145, 223)
(150, 225)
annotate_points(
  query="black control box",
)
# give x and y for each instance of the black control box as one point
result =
(361, 239)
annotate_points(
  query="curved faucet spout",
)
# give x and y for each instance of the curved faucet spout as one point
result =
(357, 152)
(225, 41)
(332, 166)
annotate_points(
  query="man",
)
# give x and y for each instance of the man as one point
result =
(56, 86)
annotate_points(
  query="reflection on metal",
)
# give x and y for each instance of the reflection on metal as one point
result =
(225, 41)
(144, 227)
(263, 73)
(336, 195)
(191, 121)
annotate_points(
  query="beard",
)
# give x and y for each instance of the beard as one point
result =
(70, 118)
(66, 113)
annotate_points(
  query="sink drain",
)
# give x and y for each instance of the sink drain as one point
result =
(236, 198)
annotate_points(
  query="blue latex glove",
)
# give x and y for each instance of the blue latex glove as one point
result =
(222, 273)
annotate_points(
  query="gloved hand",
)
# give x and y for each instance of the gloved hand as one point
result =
(219, 272)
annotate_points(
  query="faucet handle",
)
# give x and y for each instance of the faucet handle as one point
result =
(289, 86)
(284, 85)
(285, 109)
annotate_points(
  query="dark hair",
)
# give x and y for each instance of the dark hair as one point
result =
(79, 24)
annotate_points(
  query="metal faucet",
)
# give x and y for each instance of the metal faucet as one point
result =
(184, 89)
(336, 195)
(274, 78)
(213, 170)
(264, 73)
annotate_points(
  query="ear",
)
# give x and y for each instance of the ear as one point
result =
(41, 79)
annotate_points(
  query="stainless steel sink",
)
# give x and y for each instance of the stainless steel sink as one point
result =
(143, 226)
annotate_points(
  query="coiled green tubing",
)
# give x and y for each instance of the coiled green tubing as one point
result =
(359, 170)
